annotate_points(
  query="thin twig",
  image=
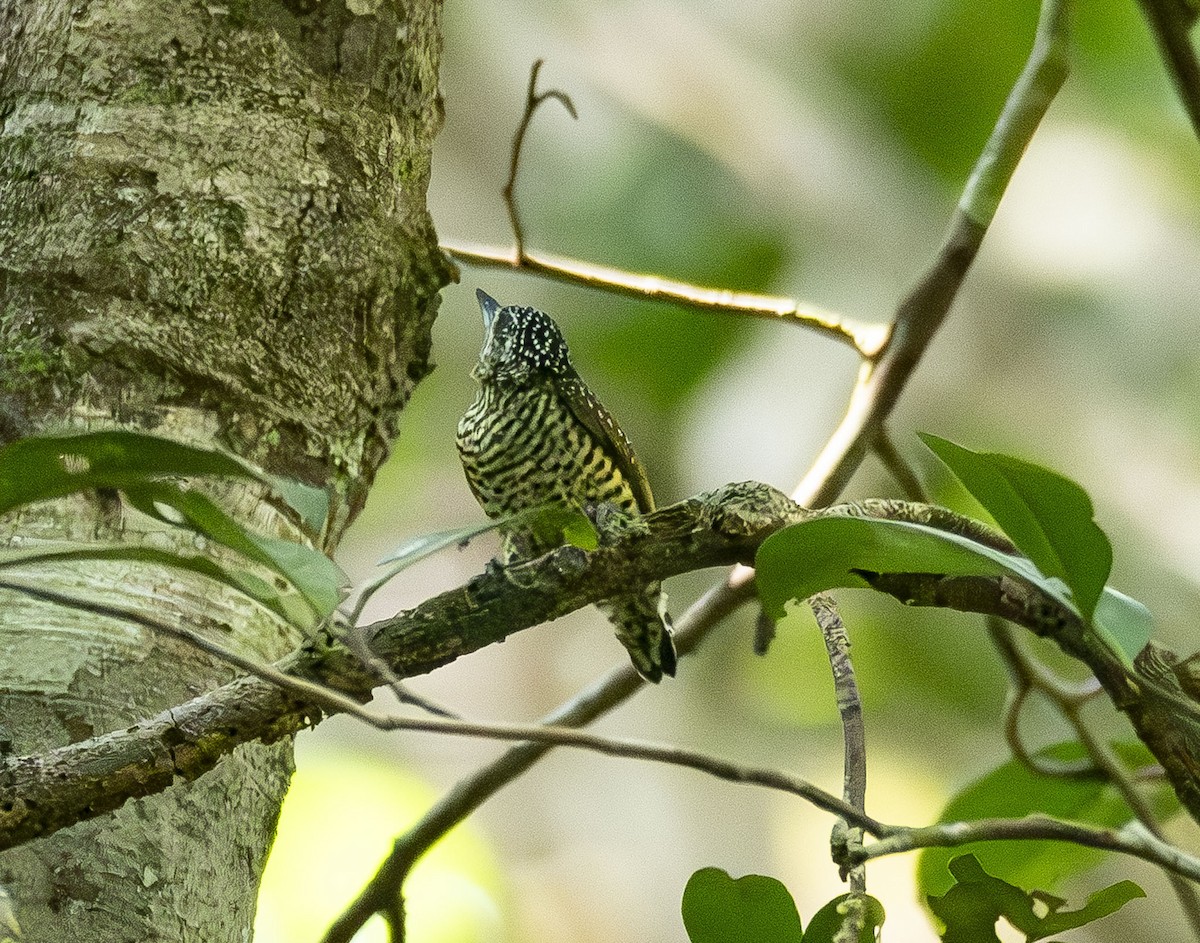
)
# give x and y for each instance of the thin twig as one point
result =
(1131, 840)
(1030, 675)
(1026, 676)
(549, 734)
(923, 311)
(312, 691)
(898, 467)
(356, 640)
(533, 100)
(865, 337)
(1171, 22)
(845, 837)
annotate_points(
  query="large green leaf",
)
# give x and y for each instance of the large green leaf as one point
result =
(972, 905)
(317, 577)
(39, 468)
(1011, 790)
(831, 552)
(1048, 517)
(720, 909)
(285, 602)
(827, 922)
(142, 467)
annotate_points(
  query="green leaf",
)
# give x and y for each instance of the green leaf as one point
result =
(1100, 904)
(318, 578)
(1048, 516)
(312, 504)
(1013, 791)
(720, 909)
(40, 468)
(830, 552)
(1124, 622)
(827, 921)
(286, 604)
(554, 524)
(558, 524)
(415, 550)
(970, 908)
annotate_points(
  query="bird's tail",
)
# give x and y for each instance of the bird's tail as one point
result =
(643, 626)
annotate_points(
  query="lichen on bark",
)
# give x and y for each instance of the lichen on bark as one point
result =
(212, 226)
(223, 207)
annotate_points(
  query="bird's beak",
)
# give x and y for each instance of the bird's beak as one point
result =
(489, 306)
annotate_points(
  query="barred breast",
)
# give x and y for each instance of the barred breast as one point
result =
(524, 450)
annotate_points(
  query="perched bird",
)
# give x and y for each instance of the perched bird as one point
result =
(536, 435)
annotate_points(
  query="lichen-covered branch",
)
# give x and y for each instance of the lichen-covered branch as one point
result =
(39, 794)
(42, 793)
(1165, 716)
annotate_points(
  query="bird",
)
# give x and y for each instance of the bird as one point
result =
(536, 435)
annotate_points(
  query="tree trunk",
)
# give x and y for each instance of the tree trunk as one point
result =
(212, 227)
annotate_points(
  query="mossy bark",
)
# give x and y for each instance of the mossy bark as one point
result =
(212, 226)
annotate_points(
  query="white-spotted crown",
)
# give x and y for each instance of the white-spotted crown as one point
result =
(519, 341)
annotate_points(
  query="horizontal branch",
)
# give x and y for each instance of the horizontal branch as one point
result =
(1131, 840)
(40, 794)
(866, 337)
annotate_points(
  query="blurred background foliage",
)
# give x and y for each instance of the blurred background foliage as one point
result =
(816, 150)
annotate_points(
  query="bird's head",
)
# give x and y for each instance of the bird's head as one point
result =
(519, 343)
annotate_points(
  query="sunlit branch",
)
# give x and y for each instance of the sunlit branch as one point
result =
(866, 338)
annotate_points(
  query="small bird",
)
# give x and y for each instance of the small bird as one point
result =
(536, 435)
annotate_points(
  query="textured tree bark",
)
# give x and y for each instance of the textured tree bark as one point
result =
(213, 227)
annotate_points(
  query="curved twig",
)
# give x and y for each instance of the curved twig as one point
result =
(846, 835)
(533, 100)
(1131, 840)
(1171, 21)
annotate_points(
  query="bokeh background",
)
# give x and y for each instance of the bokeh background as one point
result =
(815, 150)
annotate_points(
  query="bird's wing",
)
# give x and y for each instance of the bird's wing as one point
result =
(600, 423)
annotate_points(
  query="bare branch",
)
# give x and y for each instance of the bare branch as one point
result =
(533, 100)
(1171, 22)
(866, 338)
